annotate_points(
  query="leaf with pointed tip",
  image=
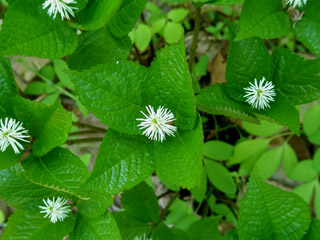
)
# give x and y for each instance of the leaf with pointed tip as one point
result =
(267, 212)
(314, 230)
(28, 30)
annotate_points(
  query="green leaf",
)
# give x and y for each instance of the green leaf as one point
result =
(127, 16)
(305, 191)
(141, 203)
(129, 227)
(220, 177)
(260, 210)
(59, 67)
(122, 162)
(264, 19)
(9, 158)
(217, 150)
(104, 227)
(8, 85)
(248, 60)
(142, 36)
(316, 161)
(17, 190)
(215, 100)
(232, 235)
(289, 159)
(303, 171)
(178, 159)
(163, 232)
(178, 14)
(59, 170)
(37, 88)
(49, 124)
(307, 30)
(98, 13)
(96, 206)
(311, 125)
(264, 129)
(268, 163)
(296, 78)
(205, 229)
(35, 32)
(28, 223)
(98, 47)
(314, 230)
(199, 193)
(317, 200)
(172, 32)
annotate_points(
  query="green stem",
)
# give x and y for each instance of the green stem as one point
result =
(163, 214)
(281, 135)
(83, 132)
(84, 125)
(216, 126)
(85, 140)
(195, 38)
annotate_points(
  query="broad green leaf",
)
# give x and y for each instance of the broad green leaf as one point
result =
(125, 19)
(249, 149)
(114, 93)
(38, 88)
(96, 205)
(98, 47)
(122, 162)
(296, 78)
(59, 67)
(104, 227)
(268, 163)
(178, 159)
(220, 177)
(307, 30)
(158, 25)
(267, 212)
(205, 229)
(141, 203)
(303, 171)
(264, 129)
(217, 150)
(49, 124)
(35, 32)
(8, 85)
(289, 159)
(199, 193)
(178, 14)
(248, 60)
(305, 191)
(316, 161)
(317, 200)
(129, 227)
(59, 170)
(264, 19)
(142, 36)
(164, 232)
(314, 230)
(215, 100)
(232, 235)
(8, 158)
(310, 124)
(28, 223)
(17, 190)
(98, 13)
(172, 32)
(170, 85)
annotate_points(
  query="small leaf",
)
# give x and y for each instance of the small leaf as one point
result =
(305, 191)
(217, 150)
(172, 32)
(289, 159)
(205, 229)
(260, 210)
(177, 15)
(310, 124)
(199, 193)
(143, 36)
(316, 161)
(303, 171)
(264, 129)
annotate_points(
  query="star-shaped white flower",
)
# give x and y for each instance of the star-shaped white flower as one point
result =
(55, 210)
(12, 131)
(60, 6)
(157, 124)
(143, 237)
(295, 3)
(259, 96)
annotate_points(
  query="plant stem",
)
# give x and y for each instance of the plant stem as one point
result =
(85, 140)
(163, 214)
(195, 38)
(83, 132)
(281, 135)
(216, 127)
(84, 125)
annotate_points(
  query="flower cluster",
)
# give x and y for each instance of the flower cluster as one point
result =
(259, 96)
(295, 3)
(60, 6)
(143, 237)
(157, 124)
(55, 209)
(10, 132)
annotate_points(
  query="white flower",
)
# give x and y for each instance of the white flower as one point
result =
(143, 237)
(295, 3)
(157, 124)
(56, 210)
(60, 6)
(11, 131)
(259, 96)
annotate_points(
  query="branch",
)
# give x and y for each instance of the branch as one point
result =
(195, 38)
